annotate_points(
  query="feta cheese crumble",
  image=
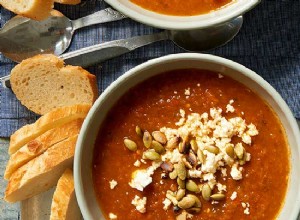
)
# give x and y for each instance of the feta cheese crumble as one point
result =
(139, 203)
(113, 184)
(112, 216)
(233, 195)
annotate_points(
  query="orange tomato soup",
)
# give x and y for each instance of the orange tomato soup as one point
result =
(182, 7)
(156, 103)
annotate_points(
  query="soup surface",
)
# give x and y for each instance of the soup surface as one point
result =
(250, 182)
(182, 8)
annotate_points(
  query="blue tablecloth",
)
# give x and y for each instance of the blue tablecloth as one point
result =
(268, 43)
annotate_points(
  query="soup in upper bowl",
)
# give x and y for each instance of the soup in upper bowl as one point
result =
(182, 7)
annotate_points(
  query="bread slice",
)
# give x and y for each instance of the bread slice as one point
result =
(42, 83)
(68, 2)
(39, 145)
(41, 173)
(48, 121)
(64, 204)
(35, 9)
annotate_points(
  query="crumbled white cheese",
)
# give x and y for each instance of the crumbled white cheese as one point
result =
(137, 163)
(246, 207)
(167, 202)
(224, 172)
(221, 187)
(172, 156)
(187, 91)
(140, 179)
(194, 173)
(139, 203)
(229, 108)
(189, 216)
(143, 161)
(112, 216)
(233, 195)
(220, 76)
(236, 173)
(113, 184)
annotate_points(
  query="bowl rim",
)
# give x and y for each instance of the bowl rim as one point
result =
(175, 25)
(181, 56)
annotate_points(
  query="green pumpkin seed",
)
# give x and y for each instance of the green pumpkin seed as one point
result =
(194, 145)
(147, 139)
(212, 149)
(151, 155)
(139, 131)
(218, 196)
(197, 200)
(181, 183)
(192, 186)
(173, 143)
(173, 175)
(158, 147)
(206, 192)
(181, 170)
(159, 137)
(180, 194)
(186, 202)
(239, 150)
(131, 145)
(230, 151)
(201, 156)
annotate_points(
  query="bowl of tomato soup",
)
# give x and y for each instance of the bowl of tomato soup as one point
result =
(189, 136)
(183, 15)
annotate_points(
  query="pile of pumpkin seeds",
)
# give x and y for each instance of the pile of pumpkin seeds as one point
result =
(186, 198)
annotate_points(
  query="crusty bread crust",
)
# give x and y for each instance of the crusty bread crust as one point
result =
(64, 204)
(41, 173)
(48, 121)
(68, 2)
(42, 83)
(34, 9)
(39, 145)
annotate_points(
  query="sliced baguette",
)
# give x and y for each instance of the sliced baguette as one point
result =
(48, 121)
(39, 145)
(68, 2)
(35, 9)
(42, 83)
(41, 173)
(64, 204)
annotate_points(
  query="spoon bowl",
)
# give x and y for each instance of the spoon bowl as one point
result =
(52, 35)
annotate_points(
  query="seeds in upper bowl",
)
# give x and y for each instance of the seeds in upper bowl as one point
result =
(223, 145)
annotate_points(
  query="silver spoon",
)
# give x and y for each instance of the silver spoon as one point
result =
(193, 40)
(21, 37)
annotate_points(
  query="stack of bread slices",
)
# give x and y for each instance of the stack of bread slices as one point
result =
(35, 9)
(41, 154)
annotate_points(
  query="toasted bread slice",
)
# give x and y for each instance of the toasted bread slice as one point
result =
(42, 83)
(41, 173)
(39, 145)
(35, 9)
(48, 121)
(68, 2)
(64, 204)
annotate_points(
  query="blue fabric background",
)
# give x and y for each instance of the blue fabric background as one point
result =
(268, 43)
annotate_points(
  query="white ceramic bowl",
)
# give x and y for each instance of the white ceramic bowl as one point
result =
(85, 144)
(233, 10)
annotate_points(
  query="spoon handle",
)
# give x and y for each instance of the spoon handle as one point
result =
(103, 16)
(97, 53)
